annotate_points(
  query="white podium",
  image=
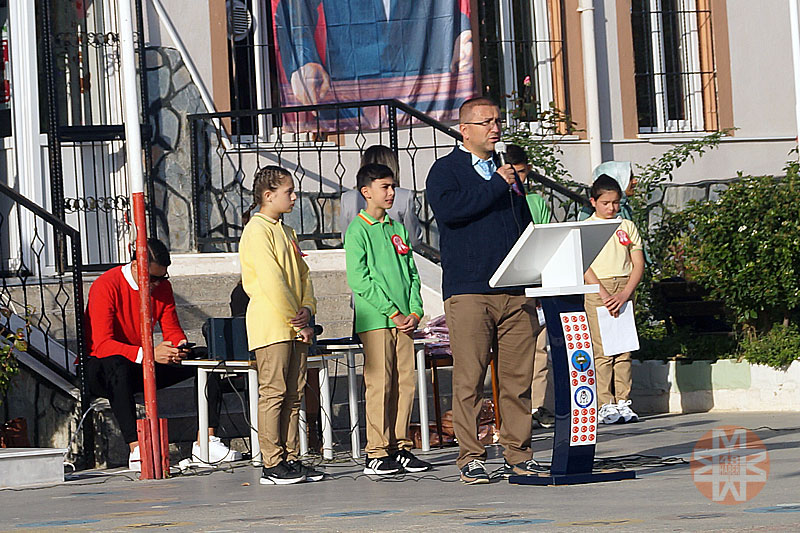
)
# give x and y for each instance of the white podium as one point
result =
(555, 257)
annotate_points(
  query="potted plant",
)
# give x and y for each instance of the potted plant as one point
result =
(13, 433)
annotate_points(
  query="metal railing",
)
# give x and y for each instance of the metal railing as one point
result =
(86, 141)
(321, 146)
(47, 306)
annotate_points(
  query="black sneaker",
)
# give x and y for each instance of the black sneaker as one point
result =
(382, 466)
(474, 473)
(281, 474)
(410, 462)
(525, 468)
(308, 471)
(544, 417)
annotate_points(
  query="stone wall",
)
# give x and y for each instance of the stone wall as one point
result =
(52, 415)
(724, 385)
(173, 95)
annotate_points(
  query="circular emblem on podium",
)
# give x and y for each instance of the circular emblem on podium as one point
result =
(581, 361)
(584, 396)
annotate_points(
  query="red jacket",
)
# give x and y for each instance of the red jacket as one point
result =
(112, 316)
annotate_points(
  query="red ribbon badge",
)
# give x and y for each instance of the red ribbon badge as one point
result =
(624, 240)
(401, 247)
(298, 250)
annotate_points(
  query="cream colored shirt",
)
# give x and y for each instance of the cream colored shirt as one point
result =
(614, 260)
(276, 278)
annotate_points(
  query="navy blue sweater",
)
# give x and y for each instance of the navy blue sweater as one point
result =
(479, 221)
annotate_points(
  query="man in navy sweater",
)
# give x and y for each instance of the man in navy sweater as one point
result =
(481, 212)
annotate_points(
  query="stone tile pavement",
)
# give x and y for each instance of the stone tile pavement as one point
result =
(664, 497)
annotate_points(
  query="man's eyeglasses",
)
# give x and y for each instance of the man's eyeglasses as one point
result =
(487, 123)
(156, 279)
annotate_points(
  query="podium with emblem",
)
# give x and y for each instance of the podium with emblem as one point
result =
(550, 260)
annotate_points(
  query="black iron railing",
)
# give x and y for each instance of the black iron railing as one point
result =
(38, 300)
(86, 140)
(321, 145)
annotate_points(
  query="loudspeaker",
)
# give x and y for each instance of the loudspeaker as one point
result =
(227, 339)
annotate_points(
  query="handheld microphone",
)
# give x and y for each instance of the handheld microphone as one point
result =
(500, 148)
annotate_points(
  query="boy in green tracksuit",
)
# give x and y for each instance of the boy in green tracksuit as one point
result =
(388, 305)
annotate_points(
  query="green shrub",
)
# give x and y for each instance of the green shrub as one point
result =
(744, 248)
(656, 343)
(653, 179)
(776, 348)
(9, 341)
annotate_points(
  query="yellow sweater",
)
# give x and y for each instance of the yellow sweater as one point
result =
(614, 260)
(276, 278)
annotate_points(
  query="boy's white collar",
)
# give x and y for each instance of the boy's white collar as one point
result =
(127, 272)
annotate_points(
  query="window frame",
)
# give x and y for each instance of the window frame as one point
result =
(697, 76)
(262, 73)
(548, 57)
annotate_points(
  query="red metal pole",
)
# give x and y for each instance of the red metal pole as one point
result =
(146, 321)
(133, 147)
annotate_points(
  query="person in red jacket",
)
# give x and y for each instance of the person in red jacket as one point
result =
(113, 368)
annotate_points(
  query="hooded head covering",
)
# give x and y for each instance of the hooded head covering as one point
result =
(621, 171)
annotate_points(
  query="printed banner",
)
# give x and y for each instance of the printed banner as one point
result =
(419, 52)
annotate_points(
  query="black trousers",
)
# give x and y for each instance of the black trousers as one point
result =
(118, 379)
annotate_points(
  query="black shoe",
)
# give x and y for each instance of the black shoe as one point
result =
(382, 466)
(410, 463)
(525, 468)
(281, 474)
(474, 473)
(308, 471)
(544, 417)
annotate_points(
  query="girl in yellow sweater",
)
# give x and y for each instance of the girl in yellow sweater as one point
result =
(276, 278)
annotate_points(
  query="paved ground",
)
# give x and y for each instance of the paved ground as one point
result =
(663, 498)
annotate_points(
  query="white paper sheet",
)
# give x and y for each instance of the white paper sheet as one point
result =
(618, 334)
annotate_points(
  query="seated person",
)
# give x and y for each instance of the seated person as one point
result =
(113, 368)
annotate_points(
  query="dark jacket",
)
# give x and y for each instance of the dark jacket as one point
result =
(479, 221)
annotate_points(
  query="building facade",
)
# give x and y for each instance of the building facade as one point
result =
(668, 71)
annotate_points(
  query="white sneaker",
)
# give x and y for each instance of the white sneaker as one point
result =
(609, 414)
(217, 451)
(627, 414)
(135, 460)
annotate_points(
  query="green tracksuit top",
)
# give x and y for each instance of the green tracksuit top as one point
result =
(381, 272)
(540, 213)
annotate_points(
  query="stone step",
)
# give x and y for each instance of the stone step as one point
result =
(21, 467)
(54, 297)
(193, 315)
(329, 282)
(197, 298)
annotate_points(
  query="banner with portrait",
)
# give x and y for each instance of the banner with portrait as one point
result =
(419, 52)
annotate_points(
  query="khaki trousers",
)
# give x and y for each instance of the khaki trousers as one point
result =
(281, 379)
(613, 372)
(542, 387)
(477, 322)
(389, 379)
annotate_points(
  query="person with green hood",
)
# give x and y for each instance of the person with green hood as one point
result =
(622, 172)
